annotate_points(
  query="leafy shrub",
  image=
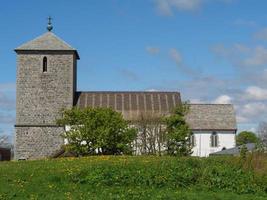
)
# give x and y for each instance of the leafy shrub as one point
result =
(97, 131)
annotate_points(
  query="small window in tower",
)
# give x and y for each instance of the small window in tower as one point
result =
(45, 64)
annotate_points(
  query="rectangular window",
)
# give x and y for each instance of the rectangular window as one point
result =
(193, 140)
(214, 139)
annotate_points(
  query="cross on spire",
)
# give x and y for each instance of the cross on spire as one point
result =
(49, 24)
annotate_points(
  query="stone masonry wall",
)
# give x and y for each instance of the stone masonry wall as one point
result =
(37, 142)
(40, 97)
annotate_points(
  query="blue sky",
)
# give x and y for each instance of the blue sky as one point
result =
(212, 51)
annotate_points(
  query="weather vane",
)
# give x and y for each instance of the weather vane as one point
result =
(49, 25)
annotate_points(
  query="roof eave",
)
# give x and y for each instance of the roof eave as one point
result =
(17, 50)
(205, 129)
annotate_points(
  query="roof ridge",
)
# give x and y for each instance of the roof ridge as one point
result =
(38, 37)
(111, 91)
(61, 40)
(211, 104)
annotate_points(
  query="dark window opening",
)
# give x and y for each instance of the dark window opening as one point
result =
(44, 64)
(193, 140)
(214, 139)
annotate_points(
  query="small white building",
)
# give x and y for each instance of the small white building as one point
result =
(213, 126)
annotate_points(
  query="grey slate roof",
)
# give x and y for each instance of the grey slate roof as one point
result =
(133, 105)
(234, 150)
(47, 41)
(211, 117)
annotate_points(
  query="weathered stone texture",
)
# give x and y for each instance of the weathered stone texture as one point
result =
(37, 142)
(40, 97)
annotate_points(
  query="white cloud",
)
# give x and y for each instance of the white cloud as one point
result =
(6, 118)
(252, 129)
(6, 102)
(196, 101)
(256, 93)
(254, 109)
(241, 119)
(176, 56)
(243, 22)
(152, 50)
(262, 34)
(185, 4)
(151, 90)
(7, 96)
(233, 53)
(223, 99)
(130, 75)
(165, 7)
(7, 108)
(251, 112)
(7, 87)
(248, 127)
(201, 88)
(258, 57)
(242, 56)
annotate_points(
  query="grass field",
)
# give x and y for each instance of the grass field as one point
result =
(148, 177)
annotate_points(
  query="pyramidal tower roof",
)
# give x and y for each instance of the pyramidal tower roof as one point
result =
(47, 42)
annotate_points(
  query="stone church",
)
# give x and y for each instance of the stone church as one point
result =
(47, 83)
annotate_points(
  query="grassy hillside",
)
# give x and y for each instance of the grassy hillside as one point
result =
(111, 177)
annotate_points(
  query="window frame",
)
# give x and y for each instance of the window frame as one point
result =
(214, 139)
(193, 140)
(45, 64)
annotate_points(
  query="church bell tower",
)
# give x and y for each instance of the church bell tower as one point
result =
(46, 84)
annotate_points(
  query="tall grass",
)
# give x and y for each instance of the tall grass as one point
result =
(50, 178)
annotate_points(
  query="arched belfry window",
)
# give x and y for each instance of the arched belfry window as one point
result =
(45, 64)
(214, 139)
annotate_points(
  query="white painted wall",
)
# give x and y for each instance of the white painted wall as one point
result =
(203, 147)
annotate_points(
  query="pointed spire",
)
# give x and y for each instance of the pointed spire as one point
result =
(49, 25)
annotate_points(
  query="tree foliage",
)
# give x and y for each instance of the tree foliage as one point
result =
(97, 131)
(151, 138)
(262, 131)
(246, 137)
(178, 132)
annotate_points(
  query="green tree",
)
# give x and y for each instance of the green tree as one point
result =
(178, 132)
(246, 137)
(97, 131)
